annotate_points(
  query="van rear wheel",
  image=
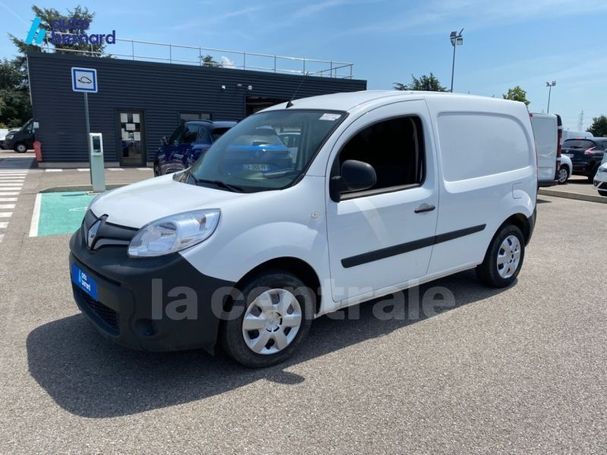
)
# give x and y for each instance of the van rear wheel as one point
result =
(269, 321)
(504, 258)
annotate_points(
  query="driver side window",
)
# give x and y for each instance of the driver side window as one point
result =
(395, 149)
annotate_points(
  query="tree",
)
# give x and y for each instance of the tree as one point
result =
(599, 126)
(15, 106)
(48, 16)
(517, 94)
(428, 83)
(209, 62)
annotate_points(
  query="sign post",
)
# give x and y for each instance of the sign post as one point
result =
(84, 80)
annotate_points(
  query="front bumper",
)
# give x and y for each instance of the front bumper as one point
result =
(152, 304)
(600, 181)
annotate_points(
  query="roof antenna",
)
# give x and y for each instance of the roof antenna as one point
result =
(290, 103)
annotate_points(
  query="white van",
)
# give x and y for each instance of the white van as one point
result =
(384, 190)
(547, 131)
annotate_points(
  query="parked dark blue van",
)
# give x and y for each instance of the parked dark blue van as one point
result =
(186, 144)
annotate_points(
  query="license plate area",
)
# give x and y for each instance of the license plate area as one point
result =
(84, 281)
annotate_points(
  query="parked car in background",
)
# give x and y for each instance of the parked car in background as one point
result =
(547, 130)
(586, 155)
(21, 140)
(187, 143)
(600, 179)
(564, 170)
(569, 134)
(3, 133)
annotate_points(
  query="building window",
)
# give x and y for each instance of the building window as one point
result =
(187, 116)
(395, 150)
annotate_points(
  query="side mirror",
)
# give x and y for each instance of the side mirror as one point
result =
(355, 176)
(164, 140)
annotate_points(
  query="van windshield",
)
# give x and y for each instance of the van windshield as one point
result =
(255, 155)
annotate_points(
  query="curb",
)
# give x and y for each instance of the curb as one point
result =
(576, 196)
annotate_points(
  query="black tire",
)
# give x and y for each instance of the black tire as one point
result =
(488, 271)
(20, 147)
(603, 193)
(590, 178)
(563, 175)
(232, 336)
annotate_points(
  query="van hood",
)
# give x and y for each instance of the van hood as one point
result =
(141, 203)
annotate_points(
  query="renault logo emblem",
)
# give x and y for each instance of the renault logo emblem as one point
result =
(91, 235)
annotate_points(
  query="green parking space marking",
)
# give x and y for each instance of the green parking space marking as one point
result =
(59, 213)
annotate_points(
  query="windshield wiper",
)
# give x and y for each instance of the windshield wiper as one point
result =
(220, 184)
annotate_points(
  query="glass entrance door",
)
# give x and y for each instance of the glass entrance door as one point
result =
(132, 149)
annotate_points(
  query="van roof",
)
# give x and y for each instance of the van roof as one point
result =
(349, 101)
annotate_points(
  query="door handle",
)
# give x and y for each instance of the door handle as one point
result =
(425, 207)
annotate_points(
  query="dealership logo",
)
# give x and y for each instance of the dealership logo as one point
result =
(36, 34)
(67, 31)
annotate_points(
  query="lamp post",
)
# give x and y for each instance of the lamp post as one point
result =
(549, 85)
(457, 39)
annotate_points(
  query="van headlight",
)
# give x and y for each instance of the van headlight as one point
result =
(174, 233)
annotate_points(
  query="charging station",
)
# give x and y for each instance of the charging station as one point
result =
(97, 163)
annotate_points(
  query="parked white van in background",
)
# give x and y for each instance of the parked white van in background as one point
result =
(384, 190)
(547, 131)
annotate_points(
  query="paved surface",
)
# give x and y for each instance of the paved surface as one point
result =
(523, 370)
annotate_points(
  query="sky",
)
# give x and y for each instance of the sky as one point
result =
(519, 42)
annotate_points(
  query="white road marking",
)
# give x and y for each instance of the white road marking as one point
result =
(11, 188)
(114, 169)
(7, 206)
(36, 216)
(1, 237)
(53, 170)
(8, 193)
(6, 214)
(3, 224)
(8, 199)
(83, 169)
(144, 168)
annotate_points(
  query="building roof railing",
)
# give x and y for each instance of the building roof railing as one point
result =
(219, 58)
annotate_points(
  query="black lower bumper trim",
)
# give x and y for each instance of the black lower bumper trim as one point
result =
(154, 304)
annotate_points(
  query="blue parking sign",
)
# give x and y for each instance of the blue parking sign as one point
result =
(84, 80)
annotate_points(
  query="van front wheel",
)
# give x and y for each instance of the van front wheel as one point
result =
(504, 258)
(269, 320)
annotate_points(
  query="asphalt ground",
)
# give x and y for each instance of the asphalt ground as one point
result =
(521, 370)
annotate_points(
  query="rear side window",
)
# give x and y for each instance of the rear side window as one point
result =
(190, 133)
(578, 144)
(395, 150)
(474, 145)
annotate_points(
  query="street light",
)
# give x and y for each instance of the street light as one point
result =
(457, 39)
(549, 85)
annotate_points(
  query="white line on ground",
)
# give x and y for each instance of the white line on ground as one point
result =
(143, 169)
(3, 224)
(6, 214)
(8, 199)
(83, 169)
(114, 169)
(1, 237)
(11, 188)
(54, 170)
(13, 176)
(8, 193)
(36, 216)
(20, 184)
(7, 206)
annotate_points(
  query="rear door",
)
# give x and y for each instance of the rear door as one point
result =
(545, 132)
(382, 237)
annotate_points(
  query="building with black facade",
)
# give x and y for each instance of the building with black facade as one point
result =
(139, 102)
